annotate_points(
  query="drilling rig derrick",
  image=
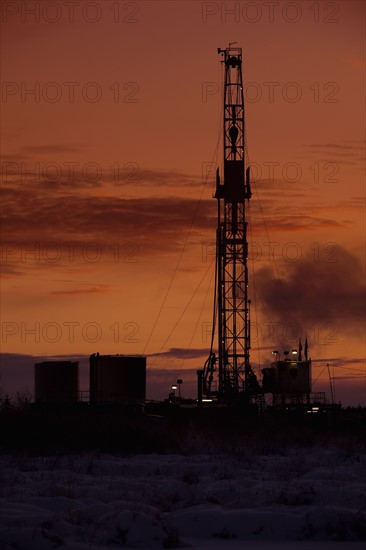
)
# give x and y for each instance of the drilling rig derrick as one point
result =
(230, 369)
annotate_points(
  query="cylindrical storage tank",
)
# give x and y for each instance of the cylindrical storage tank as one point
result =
(56, 382)
(117, 378)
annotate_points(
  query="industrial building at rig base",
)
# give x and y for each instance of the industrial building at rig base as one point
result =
(288, 381)
(114, 379)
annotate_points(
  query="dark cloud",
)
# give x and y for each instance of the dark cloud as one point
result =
(9, 269)
(50, 149)
(313, 292)
(63, 173)
(70, 177)
(16, 158)
(355, 203)
(278, 216)
(182, 353)
(347, 153)
(165, 178)
(358, 145)
(41, 228)
(156, 223)
(292, 223)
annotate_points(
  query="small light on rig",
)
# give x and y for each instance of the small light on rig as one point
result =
(174, 387)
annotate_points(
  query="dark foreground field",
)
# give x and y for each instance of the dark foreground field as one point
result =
(128, 430)
(81, 478)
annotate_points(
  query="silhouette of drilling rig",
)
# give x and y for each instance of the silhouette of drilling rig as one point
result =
(228, 376)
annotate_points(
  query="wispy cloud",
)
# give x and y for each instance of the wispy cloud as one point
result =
(346, 152)
(356, 62)
(76, 291)
(50, 149)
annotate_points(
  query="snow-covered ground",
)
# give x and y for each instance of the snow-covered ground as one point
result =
(306, 498)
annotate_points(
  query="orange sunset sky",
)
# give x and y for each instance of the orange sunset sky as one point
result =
(110, 138)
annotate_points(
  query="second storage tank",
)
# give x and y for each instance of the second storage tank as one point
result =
(117, 378)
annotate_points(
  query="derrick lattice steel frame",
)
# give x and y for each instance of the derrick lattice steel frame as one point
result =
(234, 371)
